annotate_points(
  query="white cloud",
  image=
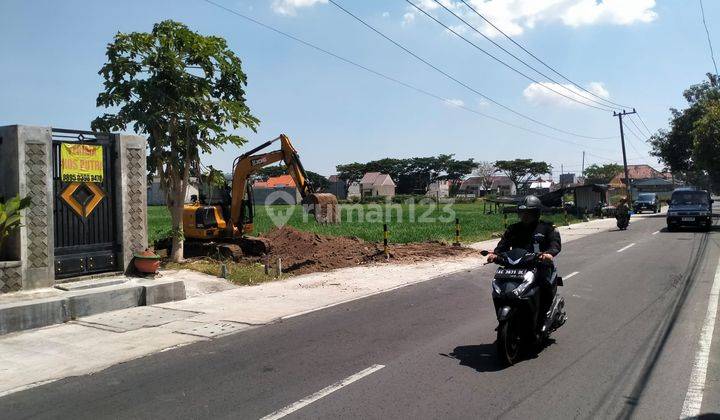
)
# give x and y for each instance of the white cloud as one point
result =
(408, 18)
(619, 12)
(289, 7)
(385, 14)
(538, 94)
(456, 103)
(514, 17)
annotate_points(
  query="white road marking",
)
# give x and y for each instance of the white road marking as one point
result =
(656, 232)
(574, 273)
(626, 247)
(696, 388)
(322, 393)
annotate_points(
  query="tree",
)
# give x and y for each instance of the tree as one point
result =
(351, 172)
(180, 89)
(688, 151)
(706, 145)
(601, 174)
(456, 170)
(521, 170)
(485, 171)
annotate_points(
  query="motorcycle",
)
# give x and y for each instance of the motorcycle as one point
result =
(623, 220)
(516, 297)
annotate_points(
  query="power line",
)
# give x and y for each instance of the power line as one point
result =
(538, 59)
(390, 78)
(644, 125)
(454, 79)
(604, 107)
(642, 134)
(707, 32)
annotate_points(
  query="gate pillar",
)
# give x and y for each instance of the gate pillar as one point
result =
(26, 167)
(131, 173)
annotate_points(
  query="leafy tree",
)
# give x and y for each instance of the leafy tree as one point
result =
(180, 89)
(456, 170)
(521, 170)
(351, 172)
(687, 152)
(601, 174)
(485, 171)
(706, 145)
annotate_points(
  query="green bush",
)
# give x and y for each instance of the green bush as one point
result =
(10, 217)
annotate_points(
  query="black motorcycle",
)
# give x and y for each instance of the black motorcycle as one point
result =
(623, 220)
(516, 296)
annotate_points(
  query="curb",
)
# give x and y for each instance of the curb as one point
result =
(19, 316)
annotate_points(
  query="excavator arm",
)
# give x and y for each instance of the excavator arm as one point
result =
(249, 163)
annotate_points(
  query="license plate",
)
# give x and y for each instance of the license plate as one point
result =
(688, 219)
(510, 272)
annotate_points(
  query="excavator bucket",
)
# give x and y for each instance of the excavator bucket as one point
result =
(324, 207)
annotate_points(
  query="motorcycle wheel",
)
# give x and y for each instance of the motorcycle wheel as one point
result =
(508, 343)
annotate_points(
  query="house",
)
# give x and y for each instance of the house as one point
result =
(377, 184)
(353, 190)
(635, 172)
(276, 190)
(502, 186)
(338, 187)
(438, 189)
(472, 187)
(661, 186)
(156, 194)
(589, 198)
(539, 186)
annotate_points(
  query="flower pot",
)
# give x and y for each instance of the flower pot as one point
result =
(146, 262)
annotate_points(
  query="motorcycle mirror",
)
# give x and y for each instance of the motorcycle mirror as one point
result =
(484, 253)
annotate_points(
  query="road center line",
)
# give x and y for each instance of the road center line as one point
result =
(696, 388)
(626, 247)
(322, 393)
(574, 273)
(656, 232)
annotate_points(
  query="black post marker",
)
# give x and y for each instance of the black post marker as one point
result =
(385, 241)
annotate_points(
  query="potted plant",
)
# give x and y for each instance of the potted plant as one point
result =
(146, 262)
(10, 218)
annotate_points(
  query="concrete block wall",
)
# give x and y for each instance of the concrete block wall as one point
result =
(26, 158)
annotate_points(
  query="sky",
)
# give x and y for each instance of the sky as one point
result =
(640, 53)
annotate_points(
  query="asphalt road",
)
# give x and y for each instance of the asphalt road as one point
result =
(627, 350)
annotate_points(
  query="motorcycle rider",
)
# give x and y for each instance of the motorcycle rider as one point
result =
(622, 210)
(534, 235)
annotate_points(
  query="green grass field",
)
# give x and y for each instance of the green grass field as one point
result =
(366, 222)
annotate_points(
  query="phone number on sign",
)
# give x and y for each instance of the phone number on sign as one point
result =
(81, 178)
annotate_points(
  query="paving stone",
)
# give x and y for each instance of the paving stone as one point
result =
(135, 318)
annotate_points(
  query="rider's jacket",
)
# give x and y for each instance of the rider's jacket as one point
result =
(519, 235)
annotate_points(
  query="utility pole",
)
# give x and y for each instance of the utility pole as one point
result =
(622, 141)
(582, 173)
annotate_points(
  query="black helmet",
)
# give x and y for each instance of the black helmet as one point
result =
(530, 203)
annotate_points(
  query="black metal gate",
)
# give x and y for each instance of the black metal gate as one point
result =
(84, 212)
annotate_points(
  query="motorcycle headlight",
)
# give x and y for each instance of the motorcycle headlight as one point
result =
(522, 287)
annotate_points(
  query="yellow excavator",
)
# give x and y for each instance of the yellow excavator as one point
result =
(232, 217)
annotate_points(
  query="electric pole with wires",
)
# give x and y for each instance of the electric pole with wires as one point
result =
(622, 142)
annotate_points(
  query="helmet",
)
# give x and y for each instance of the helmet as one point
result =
(530, 203)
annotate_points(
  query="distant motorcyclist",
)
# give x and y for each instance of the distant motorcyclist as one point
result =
(622, 212)
(534, 235)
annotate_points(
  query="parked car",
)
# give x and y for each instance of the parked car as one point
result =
(647, 202)
(690, 207)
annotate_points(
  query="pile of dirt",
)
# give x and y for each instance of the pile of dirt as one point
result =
(306, 252)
